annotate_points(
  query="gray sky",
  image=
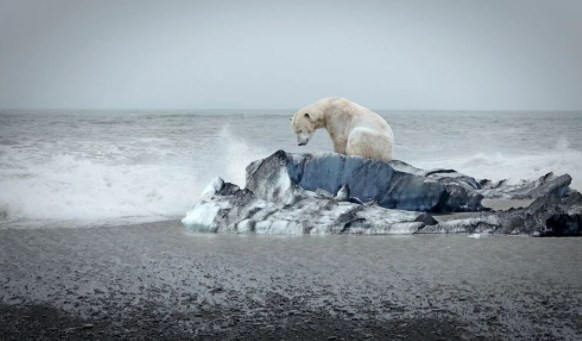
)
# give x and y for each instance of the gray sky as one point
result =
(399, 55)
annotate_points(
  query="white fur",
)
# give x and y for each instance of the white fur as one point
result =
(354, 129)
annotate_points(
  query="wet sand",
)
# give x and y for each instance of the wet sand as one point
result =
(154, 281)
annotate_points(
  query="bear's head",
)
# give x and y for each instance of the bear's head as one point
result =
(304, 123)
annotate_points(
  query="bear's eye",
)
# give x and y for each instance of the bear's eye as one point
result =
(306, 115)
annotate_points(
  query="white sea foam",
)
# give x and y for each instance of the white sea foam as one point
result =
(239, 153)
(512, 166)
(67, 188)
(97, 183)
(477, 235)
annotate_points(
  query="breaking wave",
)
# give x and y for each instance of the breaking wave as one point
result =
(497, 166)
(72, 190)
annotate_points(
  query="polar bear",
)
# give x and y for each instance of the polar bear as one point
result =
(354, 130)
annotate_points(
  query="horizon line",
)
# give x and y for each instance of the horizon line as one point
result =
(271, 109)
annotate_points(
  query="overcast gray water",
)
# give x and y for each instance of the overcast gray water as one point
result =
(90, 168)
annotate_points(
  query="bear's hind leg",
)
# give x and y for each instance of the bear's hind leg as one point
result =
(369, 144)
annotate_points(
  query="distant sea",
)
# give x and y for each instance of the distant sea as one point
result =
(113, 168)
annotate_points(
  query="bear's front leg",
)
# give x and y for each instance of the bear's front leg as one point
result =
(340, 146)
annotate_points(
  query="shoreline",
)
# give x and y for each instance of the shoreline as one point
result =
(157, 280)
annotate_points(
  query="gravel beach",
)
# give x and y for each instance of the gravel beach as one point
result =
(154, 281)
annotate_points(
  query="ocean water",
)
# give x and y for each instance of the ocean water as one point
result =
(78, 169)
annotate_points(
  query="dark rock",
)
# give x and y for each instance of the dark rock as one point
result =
(549, 183)
(548, 215)
(296, 211)
(393, 184)
(427, 219)
(333, 193)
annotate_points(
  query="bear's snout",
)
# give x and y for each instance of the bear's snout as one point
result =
(302, 139)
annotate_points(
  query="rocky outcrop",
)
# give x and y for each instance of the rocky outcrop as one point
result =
(227, 208)
(548, 215)
(333, 193)
(391, 184)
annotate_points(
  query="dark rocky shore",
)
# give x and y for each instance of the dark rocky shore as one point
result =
(336, 194)
(156, 281)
